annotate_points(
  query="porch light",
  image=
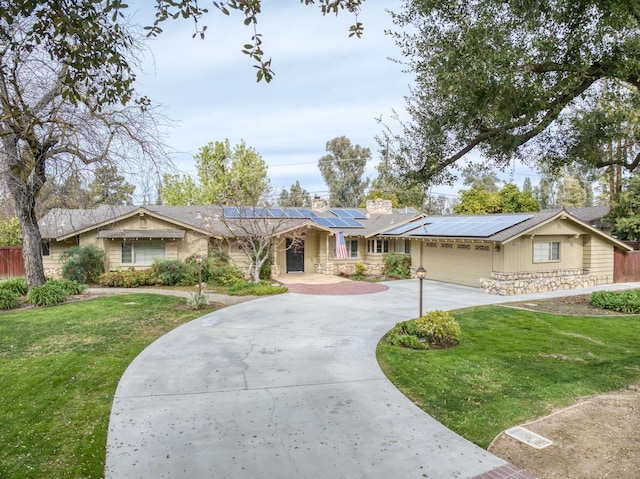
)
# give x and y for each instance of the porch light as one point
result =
(421, 273)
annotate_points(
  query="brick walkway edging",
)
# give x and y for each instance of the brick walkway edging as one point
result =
(341, 288)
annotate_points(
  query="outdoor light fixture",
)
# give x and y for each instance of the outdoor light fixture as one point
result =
(421, 273)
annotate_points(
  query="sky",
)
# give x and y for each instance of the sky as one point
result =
(326, 85)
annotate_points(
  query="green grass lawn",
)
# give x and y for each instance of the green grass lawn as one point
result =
(59, 368)
(513, 365)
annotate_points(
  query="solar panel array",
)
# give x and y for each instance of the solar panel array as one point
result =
(464, 226)
(353, 214)
(337, 222)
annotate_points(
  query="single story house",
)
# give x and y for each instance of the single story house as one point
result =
(503, 254)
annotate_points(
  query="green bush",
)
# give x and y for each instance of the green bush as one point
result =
(397, 266)
(128, 279)
(218, 269)
(175, 272)
(17, 285)
(263, 288)
(440, 328)
(70, 286)
(9, 299)
(83, 264)
(407, 335)
(48, 294)
(360, 271)
(622, 301)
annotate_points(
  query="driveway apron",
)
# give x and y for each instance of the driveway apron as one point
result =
(286, 387)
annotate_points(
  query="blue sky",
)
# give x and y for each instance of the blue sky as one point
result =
(326, 85)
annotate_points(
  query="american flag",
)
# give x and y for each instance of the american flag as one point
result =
(341, 247)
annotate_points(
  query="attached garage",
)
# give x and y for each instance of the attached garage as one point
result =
(457, 262)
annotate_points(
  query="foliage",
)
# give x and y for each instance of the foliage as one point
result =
(360, 271)
(480, 176)
(219, 271)
(49, 294)
(509, 199)
(83, 264)
(625, 213)
(516, 78)
(66, 192)
(175, 272)
(512, 366)
(627, 301)
(226, 176)
(110, 188)
(296, 197)
(265, 269)
(130, 278)
(197, 300)
(406, 335)
(440, 328)
(262, 288)
(17, 285)
(64, 364)
(10, 232)
(70, 286)
(397, 266)
(342, 170)
(375, 194)
(9, 299)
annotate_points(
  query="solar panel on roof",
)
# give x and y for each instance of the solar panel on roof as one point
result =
(337, 222)
(468, 226)
(405, 228)
(354, 214)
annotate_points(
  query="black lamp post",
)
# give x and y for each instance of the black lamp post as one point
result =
(421, 273)
(199, 262)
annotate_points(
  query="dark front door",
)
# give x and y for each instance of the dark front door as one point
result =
(295, 255)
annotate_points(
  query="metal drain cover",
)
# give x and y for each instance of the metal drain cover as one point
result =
(528, 437)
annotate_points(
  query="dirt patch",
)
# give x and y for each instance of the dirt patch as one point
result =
(595, 438)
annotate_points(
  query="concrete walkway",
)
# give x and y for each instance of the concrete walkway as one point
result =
(288, 387)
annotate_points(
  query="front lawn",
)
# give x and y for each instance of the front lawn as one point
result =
(59, 368)
(512, 366)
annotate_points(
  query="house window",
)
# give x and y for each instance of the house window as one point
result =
(46, 249)
(142, 252)
(353, 248)
(546, 251)
(402, 246)
(377, 246)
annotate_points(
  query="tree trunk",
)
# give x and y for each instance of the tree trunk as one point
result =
(31, 246)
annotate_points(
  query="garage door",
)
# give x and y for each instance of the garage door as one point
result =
(459, 263)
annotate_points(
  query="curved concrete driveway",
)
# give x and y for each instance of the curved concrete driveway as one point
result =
(286, 387)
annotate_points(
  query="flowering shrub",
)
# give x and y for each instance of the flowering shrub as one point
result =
(440, 328)
(83, 264)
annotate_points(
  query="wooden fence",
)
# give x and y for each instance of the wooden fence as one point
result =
(626, 266)
(11, 263)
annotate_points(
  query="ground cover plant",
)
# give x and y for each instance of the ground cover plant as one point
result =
(627, 301)
(59, 368)
(511, 366)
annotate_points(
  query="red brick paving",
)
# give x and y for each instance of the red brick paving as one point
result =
(337, 289)
(508, 471)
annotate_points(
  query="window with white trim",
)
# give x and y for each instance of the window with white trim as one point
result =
(402, 246)
(352, 247)
(546, 251)
(142, 252)
(377, 246)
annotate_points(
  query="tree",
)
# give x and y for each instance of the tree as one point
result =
(296, 197)
(380, 195)
(527, 187)
(507, 200)
(226, 176)
(10, 233)
(110, 188)
(503, 78)
(624, 215)
(477, 175)
(63, 192)
(342, 170)
(56, 114)
(571, 194)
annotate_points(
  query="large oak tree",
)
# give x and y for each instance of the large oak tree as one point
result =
(552, 79)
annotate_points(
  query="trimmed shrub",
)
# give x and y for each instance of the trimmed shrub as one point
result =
(407, 335)
(174, 272)
(128, 279)
(9, 299)
(622, 301)
(48, 294)
(16, 285)
(218, 270)
(440, 328)
(360, 271)
(83, 264)
(397, 266)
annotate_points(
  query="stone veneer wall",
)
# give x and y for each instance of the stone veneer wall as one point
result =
(507, 284)
(348, 269)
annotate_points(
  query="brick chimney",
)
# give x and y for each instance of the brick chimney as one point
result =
(319, 204)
